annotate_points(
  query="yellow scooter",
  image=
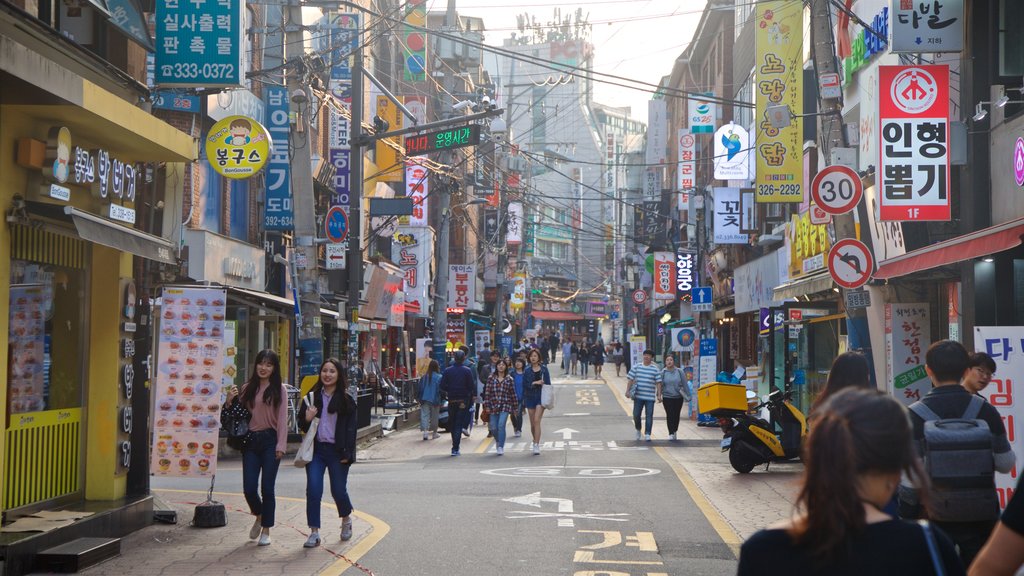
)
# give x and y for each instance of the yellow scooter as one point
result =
(751, 440)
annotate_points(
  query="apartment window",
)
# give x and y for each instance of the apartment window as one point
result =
(1011, 39)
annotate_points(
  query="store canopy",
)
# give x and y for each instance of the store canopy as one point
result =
(555, 316)
(974, 245)
(102, 231)
(810, 284)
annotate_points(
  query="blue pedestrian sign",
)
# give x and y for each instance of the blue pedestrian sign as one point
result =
(701, 299)
(336, 224)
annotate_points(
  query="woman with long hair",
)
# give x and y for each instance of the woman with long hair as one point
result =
(584, 357)
(518, 372)
(264, 396)
(859, 445)
(500, 400)
(430, 400)
(535, 377)
(574, 357)
(334, 448)
(849, 370)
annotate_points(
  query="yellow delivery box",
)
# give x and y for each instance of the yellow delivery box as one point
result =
(720, 398)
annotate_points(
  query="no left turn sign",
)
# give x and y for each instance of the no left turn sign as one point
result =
(850, 263)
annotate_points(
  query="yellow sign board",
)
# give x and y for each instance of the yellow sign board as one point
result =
(779, 38)
(391, 168)
(237, 147)
(808, 244)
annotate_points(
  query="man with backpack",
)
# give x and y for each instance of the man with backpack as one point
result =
(963, 443)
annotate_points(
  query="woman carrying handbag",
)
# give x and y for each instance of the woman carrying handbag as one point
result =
(334, 449)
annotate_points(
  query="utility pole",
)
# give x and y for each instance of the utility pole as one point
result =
(310, 337)
(503, 248)
(354, 260)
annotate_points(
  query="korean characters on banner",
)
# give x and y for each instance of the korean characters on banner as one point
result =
(664, 276)
(518, 299)
(727, 217)
(417, 187)
(414, 250)
(921, 26)
(127, 376)
(913, 114)
(687, 170)
(1005, 345)
(186, 420)
(657, 131)
(610, 150)
(199, 43)
(277, 212)
(779, 40)
(237, 147)
(514, 231)
(461, 285)
(686, 276)
(907, 338)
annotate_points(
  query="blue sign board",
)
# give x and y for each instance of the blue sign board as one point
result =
(505, 344)
(171, 100)
(311, 356)
(344, 40)
(199, 43)
(126, 15)
(340, 159)
(702, 299)
(278, 214)
(708, 346)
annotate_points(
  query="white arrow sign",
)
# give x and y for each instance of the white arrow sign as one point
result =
(535, 500)
(565, 514)
(567, 433)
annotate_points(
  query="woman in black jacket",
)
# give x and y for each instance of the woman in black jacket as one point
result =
(334, 448)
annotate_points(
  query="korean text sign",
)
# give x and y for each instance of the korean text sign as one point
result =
(199, 43)
(461, 285)
(907, 338)
(1005, 345)
(913, 114)
(278, 213)
(928, 26)
(727, 217)
(664, 276)
(417, 186)
(779, 41)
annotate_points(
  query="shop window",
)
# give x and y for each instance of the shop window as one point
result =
(1011, 39)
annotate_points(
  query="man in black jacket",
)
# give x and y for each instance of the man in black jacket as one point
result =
(458, 383)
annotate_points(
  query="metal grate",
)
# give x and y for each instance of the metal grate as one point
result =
(46, 247)
(42, 456)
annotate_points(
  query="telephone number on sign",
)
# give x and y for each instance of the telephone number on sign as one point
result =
(195, 70)
(780, 190)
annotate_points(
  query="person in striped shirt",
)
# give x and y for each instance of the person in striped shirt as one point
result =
(644, 387)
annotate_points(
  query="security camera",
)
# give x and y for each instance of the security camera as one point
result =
(485, 101)
(462, 105)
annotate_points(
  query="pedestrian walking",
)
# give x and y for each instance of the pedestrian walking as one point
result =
(429, 395)
(674, 393)
(458, 384)
(264, 397)
(1003, 554)
(534, 378)
(643, 385)
(566, 357)
(966, 508)
(574, 357)
(553, 344)
(334, 448)
(518, 373)
(849, 370)
(584, 357)
(617, 358)
(597, 359)
(500, 401)
(484, 371)
(859, 445)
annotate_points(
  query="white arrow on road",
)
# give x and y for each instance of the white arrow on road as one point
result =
(535, 500)
(567, 433)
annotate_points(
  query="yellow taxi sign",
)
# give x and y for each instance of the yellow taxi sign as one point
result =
(238, 147)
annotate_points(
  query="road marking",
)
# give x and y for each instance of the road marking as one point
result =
(576, 414)
(378, 530)
(484, 446)
(565, 509)
(567, 433)
(572, 472)
(588, 397)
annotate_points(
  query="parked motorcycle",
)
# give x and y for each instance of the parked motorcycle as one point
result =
(752, 440)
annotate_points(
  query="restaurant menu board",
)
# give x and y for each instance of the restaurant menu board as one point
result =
(26, 337)
(190, 368)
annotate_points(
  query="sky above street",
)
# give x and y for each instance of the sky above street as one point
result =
(637, 39)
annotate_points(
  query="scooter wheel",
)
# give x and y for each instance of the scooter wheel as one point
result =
(740, 461)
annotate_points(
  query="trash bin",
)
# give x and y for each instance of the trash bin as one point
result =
(364, 403)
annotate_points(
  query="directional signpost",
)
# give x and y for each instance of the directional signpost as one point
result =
(702, 299)
(850, 263)
(334, 256)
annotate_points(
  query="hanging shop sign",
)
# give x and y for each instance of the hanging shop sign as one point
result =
(907, 338)
(657, 131)
(779, 42)
(1018, 161)
(199, 43)
(462, 285)
(687, 170)
(664, 276)
(701, 115)
(514, 229)
(125, 422)
(850, 263)
(923, 26)
(1006, 347)
(343, 32)
(109, 178)
(808, 244)
(732, 150)
(866, 45)
(238, 147)
(341, 159)
(727, 217)
(913, 150)
(518, 299)
(610, 150)
(277, 211)
(417, 187)
(686, 276)
(390, 167)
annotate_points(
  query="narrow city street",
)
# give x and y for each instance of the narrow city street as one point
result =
(595, 501)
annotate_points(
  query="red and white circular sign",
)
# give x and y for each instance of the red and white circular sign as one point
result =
(914, 90)
(639, 296)
(819, 216)
(837, 189)
(850, 263)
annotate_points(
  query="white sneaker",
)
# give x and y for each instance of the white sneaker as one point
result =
(647, 437)
(500, 450)
(637, 435)
(672, 437)
(519, 434)
(426, 436)
(254, 532)
(264, 540)
(536, 448)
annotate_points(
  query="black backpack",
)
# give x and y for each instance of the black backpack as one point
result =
(959, 460)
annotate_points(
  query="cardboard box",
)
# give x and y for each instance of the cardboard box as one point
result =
(720, 398)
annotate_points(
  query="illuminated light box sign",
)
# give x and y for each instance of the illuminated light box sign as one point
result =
(443, 140)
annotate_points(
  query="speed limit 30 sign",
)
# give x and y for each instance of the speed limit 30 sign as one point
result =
(837, 189)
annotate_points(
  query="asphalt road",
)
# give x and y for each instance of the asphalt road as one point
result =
(595, 502)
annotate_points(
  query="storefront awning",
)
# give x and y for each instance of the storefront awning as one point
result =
(265, 297)
(102, 231)
(555, 316)
(974, 245)
(817, 282)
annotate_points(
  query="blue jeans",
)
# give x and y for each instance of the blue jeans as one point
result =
(639, 406)
(459, 420)
(325, 458)
(583, 369)
(497, 425)
(260, 456)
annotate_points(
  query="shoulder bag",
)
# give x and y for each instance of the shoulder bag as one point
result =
(234, 419)
(305, 454)
(933, 548)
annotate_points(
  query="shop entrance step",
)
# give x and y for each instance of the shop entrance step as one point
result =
(78, 554)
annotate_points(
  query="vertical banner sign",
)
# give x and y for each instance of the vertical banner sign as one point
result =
(413, 250)
(610, 181)
(126, 372)
(344, 39)
(779, 70)
(687, 169)
(913, 114)
(907, 338)
(461, 285)
(708, 370)
(417, 187)
(664, 276)
(919, 26)
(1005, 345)
(188, 395)
(637, 345)
(701, 115)
(727, 217)
(686, 276)
(414, 40)
(199, 43)
(342, 183)
(518, 299)
(277, 211)
(657, 131)
(387, 157)
(514, 232)
(732, 151)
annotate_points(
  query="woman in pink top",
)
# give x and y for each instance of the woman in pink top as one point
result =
(264, 396)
